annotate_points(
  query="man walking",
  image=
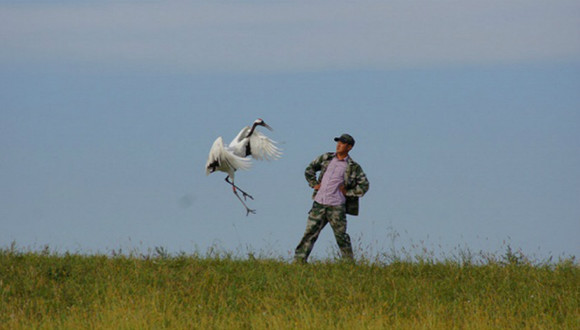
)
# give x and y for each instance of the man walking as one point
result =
(336, 192)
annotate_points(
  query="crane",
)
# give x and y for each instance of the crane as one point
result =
(232, 157)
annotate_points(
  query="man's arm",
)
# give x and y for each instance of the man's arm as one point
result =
(361, 184)
(310, 172)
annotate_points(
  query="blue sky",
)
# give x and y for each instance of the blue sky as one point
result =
(466, 116)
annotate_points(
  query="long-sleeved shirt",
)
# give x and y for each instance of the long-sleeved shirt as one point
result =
(329, 192)
(355, 180)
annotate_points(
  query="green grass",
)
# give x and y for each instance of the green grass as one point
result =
(50, 290)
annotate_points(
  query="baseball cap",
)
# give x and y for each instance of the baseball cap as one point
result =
(345, 138)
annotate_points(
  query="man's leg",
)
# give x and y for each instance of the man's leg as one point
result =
(316, 221)
(337, 218)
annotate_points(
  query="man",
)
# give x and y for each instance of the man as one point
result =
(336, 193)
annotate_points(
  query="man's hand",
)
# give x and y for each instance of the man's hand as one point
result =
(342, 189)
(317, 187)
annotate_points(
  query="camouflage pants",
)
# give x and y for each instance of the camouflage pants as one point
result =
(318, 217)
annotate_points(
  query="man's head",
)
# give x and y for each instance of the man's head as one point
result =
(344, 144)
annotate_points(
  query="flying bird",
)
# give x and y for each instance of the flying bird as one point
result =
(235, 156)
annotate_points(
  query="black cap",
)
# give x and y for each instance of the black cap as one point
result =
(345, 138)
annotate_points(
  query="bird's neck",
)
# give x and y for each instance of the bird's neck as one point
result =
(252, 130)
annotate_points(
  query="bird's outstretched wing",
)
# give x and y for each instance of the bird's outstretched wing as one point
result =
(263, 148)
(224, 160)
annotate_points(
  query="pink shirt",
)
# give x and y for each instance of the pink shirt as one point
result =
(329, 192)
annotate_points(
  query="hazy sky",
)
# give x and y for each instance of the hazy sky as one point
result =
(466, 116)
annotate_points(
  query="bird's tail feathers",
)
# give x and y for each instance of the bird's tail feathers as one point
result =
(222, 159)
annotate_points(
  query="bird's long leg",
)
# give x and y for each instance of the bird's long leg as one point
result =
(245, 194)
(248, 210)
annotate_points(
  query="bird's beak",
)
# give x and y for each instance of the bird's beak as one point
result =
(267, 126)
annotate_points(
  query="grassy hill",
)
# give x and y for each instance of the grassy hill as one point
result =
(49, 290)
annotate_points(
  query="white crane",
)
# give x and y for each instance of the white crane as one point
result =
(234, 156)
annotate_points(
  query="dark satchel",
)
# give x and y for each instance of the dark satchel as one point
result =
(351, 205)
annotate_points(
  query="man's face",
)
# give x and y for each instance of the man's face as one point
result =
(342, 147)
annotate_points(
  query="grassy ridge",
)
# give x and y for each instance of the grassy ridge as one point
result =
(74, 291)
